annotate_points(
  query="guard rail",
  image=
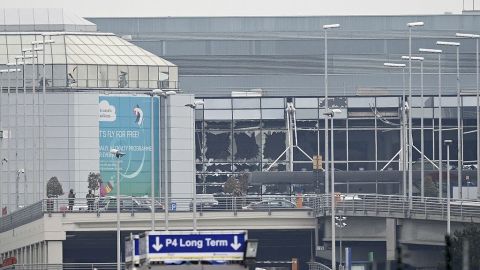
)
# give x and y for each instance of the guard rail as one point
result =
(398, 206)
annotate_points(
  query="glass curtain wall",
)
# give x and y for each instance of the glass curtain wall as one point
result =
(237, 135)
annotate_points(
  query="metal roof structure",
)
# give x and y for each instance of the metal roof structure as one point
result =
(42, 19)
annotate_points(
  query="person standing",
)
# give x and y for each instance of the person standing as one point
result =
(71, 200)
(90, 200)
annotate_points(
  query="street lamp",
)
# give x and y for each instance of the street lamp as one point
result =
(165, 95)
(422, 165)
(410, 137)
(1, 122)
(326, 27)
(403, 127)
(341, 224)
(17, 194)
(448, 143)
(440, 160)
(331, 114)
(24, 57)
(476, 37)
(4, 160)
(44, 42)
(193, 106)
(459, 115)
(118, 154)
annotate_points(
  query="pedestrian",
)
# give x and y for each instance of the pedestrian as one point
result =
(90, 200)
(71, 200)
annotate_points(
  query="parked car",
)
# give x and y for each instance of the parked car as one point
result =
(130, 204)
(205, 201)
(270, 204)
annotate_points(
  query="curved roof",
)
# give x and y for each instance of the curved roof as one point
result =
(42, 19)
(79, 48)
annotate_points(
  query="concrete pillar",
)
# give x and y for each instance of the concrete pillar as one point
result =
(391, 240)
(54, 252)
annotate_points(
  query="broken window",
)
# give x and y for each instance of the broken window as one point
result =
(247, 146)
(274, 145)
(218, 146)
(246, 167)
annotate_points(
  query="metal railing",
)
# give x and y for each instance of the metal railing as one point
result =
(317, 266)
(399, 206)
(135, 205)
(65, 266)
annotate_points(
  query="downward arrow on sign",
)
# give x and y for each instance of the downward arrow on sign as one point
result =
(157, 246)
(235, 245)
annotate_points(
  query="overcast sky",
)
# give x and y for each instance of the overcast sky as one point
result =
(125, 8)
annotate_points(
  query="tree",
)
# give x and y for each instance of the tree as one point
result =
(94, 180)
(236, 186)
(54, 188)
(431, 188)
(472, 234)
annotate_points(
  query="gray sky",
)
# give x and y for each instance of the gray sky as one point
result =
(123, 8)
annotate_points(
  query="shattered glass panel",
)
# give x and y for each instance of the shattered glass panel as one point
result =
(274, 143)
(278, 167)
(307, 124)
(218, 125)
(246, 146)
(246, 167)
(274, 189)
(274, 124)
(247, 125)
(335, 102)
(198, 145)
(218, 146)
(307, 141)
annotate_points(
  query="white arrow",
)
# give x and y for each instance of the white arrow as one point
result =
(235, 245)
(157, 246)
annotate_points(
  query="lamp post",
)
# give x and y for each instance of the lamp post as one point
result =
(326, 27)
(152, 158)
(410, 137)
(476, 37)
(448, 143)
(422, 152)
(165, 95)
(459, 115)
(15, 128)
(118, 155)
(341, 224)
(17, 193)
(403, 127)
(194, 106)
(44, 42)
(440, 158)
(1, 128)
(330, 114)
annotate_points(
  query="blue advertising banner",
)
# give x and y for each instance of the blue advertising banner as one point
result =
(125, 124)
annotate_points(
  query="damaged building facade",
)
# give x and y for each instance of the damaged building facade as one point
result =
(250, 70)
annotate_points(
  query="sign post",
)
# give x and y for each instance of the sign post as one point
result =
(168, 246)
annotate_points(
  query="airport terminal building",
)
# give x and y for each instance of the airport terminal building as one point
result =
(84, 86)
(249, 69)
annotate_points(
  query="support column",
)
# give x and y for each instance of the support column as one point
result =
(54, 252)
(391, 240)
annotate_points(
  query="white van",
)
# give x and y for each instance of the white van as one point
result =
(206, 201)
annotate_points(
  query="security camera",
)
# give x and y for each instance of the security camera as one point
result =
(117, 153)
(22, 171)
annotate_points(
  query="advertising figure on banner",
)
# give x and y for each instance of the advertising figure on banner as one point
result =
(123, 126)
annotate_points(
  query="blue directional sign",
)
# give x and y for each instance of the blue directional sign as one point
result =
(214, 245)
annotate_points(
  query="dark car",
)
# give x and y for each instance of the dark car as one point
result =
(270, 204)
(127, 204)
